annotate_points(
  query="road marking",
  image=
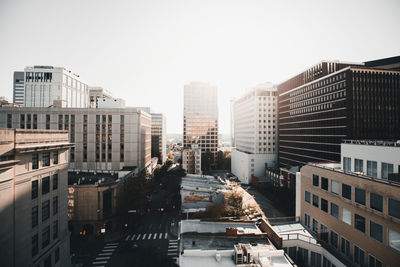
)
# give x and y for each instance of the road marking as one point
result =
(133, 237)
(112, 244)
(160, 236)
(174, 246)
(138, 237)
(102, 258)
(173, 241)
(144, 236)
(99, 262)
(98, 266)
(108, 250)
(155, 236)
(149, 236)
(166, 235)
(105, 254)
(171, 254)
(127, 237)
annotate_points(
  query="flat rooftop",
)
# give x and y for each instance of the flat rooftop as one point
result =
(197, 226)
(87, 178)
(219, 242)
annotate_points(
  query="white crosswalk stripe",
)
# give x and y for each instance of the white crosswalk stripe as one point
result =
(155, 236)
(160, 236)
(138, 236)
(102, 258)
(144, 236)
(149, 236)
(110, 244)
(127, 237)
(99, 262)
(166, 235)
(133, 237)
(105, 254)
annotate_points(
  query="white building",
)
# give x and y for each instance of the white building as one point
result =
(96, 93)
(19, 88)
(158, 136)
(46, 86)
(110, 103)
(255, 132)
(200, 117)
(191, 159)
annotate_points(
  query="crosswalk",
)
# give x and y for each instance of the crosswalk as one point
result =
(146, 236)
(173, 250)
(105, 254)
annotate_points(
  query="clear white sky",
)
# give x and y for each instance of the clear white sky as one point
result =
(146, 51)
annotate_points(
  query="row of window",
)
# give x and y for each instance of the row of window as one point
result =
(315, 93)
(45, 159)
(45, 211)
(311, 109)
(372, 167)
(360, 196)
(45, 185)
(358, 255)
(45, 238)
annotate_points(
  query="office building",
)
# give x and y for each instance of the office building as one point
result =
(200, 120)
(333, 101)
(232, 120)
(97, 93)
(255, 131)
(33, 198)
(106, 140)
(47, 86)
(158, 137)
(19, 88)
(354, 206)
(191, 159)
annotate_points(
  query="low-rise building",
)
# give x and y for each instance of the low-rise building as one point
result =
(33, 198)
(191, 159)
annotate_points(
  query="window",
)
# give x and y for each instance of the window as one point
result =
(56, 255)
(346, 191)
(55, 157)
(394, 239)
(307, 220)
(359, 223)
(315, 180)
(55, 181)
(315, 259)
(346, 164)
(35, 245)
(346, 216)
(324, 183)
(374, 262)
(55, 229)
(324, 233)
(345, 247)
(376, 201)
(34, 189)
(359, 256)
(46, 159)
(394, 208)
(35, 161)
(315, 201)
(307, 197)
(358, 165)
(55, 205)
(45, 185)
(386, 169)
(334, 239)
(45, 210)
(335, 187)
(334, 210)
(324, 205)
(372, 168)
(375, 231)
(45, 236)
(360, 196)
(34, 216)
(315, 226)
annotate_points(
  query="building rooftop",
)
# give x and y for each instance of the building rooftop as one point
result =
(86, 178)
(372, 142)
(197, 226)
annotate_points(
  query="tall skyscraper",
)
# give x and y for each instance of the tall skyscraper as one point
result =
(46, 86)
(332, 101)
(19, 88)
(200, 119)
(255, 131)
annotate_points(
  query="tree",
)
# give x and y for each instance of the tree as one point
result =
(171, 156)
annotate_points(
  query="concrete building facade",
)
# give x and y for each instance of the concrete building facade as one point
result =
(19, 88)
(47, 85)
(255, 131)
(33, 198)
(191, 159)
(159, 136)
(106, 140)
(357, 215)
(200, 118)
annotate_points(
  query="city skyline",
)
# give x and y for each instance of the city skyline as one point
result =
(161, 46)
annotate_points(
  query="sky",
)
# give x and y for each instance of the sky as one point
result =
(146, 51)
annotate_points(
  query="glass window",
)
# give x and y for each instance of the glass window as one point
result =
(372, 168)
(374, 262)
(307, 197)
(45, 185)
(45, 236)
(55, 229)
(315, 226)
(345, 247)
(55, 157)
(307, 220)
(34, 216)
(375, 231)
(360, 196)
(394, 208)
(335, 187)
(376, 202)
(346, 164)
(56, 255)
(346, 191)
(46, 159)
(324, 183)
(55, 181)
(324, 205)
(35, 161)
(334, 239)
(35, 245)
(358, 165)
(45, 210)
(334, 210)
(55, 205)
(394, 239)
(315, 180)
(315, 201)
(359, 256)
(346, 216)
(386, 169)
(359, 223)
(34, 189)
